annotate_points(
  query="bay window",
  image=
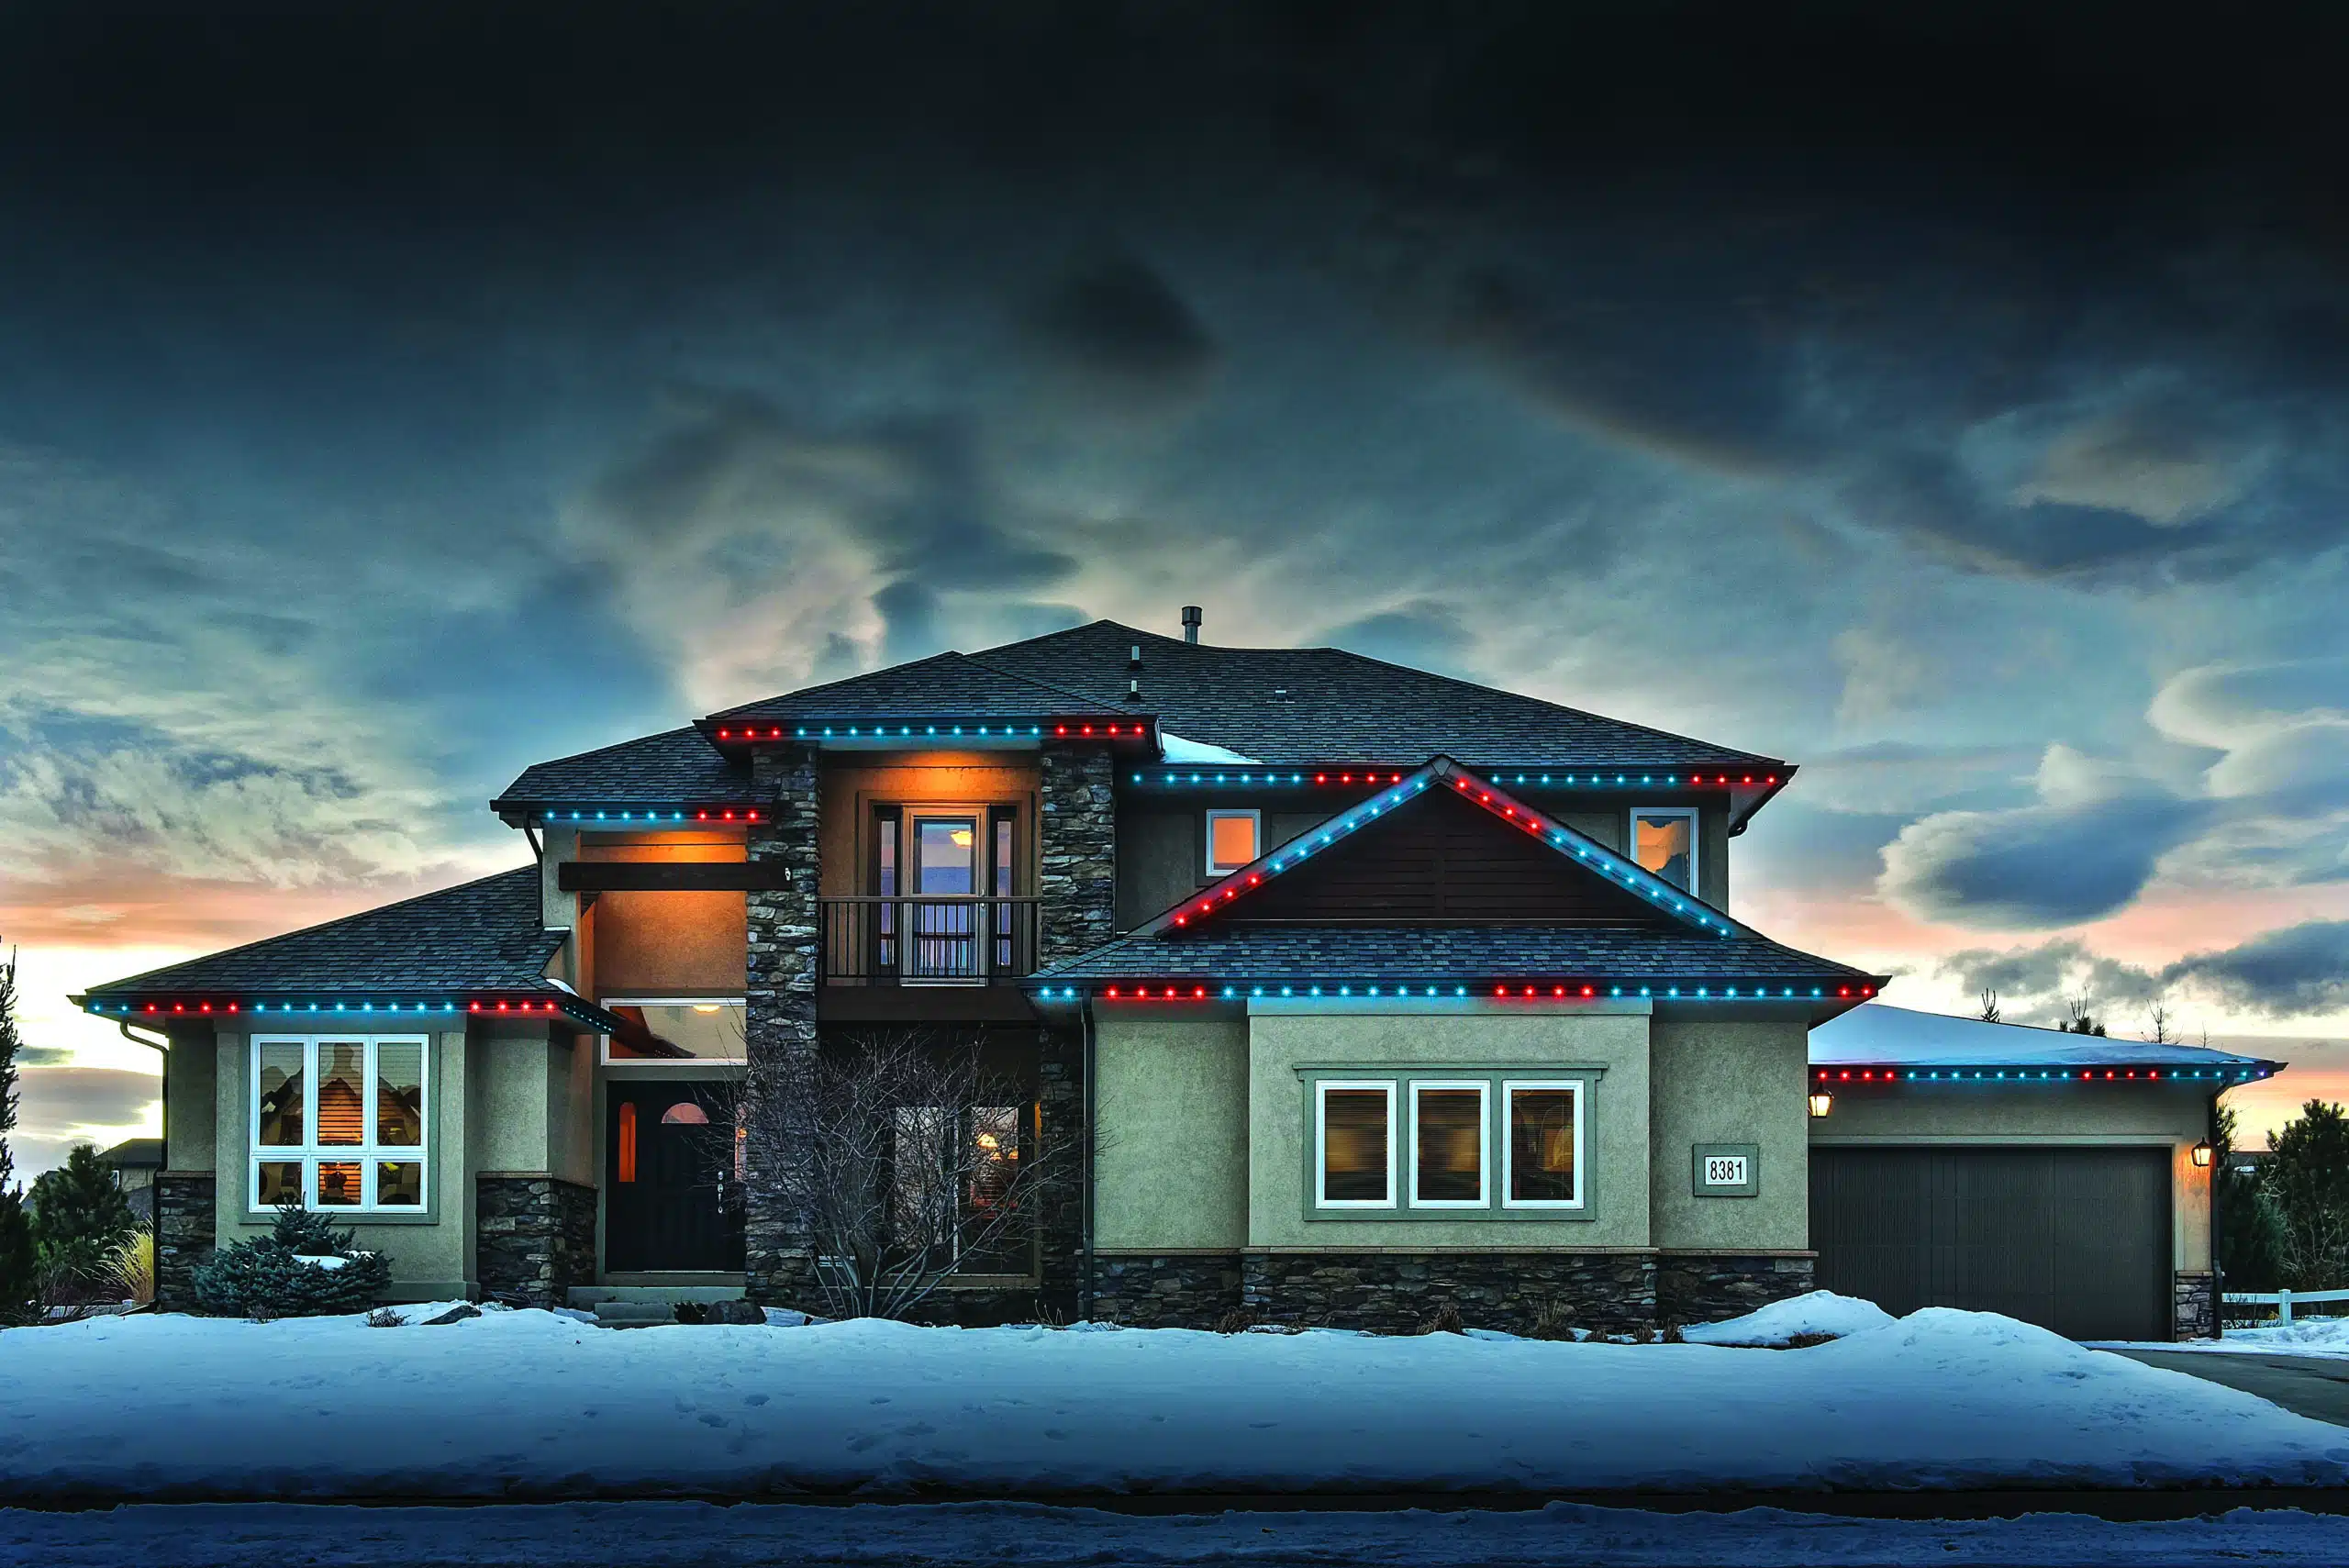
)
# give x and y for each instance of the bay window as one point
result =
(339, 1122)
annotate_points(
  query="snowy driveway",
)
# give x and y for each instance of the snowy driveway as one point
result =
(2316, 1386)
(532, 1405)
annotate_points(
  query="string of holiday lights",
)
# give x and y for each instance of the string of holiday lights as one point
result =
(1668, 897)
(1837, 1077)
(631, 814)
(158, 1010)
(1505, 991)
(1122, 729)
(1375, 776)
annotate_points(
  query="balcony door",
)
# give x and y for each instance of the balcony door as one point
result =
(946, 929)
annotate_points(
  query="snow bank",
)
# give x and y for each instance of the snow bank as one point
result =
(1819, 1312)
(701, 1535)
(2327, 1337)
(529, 1404)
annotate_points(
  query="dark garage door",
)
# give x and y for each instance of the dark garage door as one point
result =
(2074, 1239)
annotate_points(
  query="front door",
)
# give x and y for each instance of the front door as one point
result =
(672, 1204)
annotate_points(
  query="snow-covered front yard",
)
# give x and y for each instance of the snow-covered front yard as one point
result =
(536, 1405)
(2306, 1336)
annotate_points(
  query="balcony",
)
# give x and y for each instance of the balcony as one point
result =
(930, 943)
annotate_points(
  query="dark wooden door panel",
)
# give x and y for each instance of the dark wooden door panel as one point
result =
(2074, 1239)
(668, 1206)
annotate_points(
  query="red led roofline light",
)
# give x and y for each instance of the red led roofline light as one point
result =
(1259, 774)
(673, 815)
(947, 729)
(1841, 1075)
(457, 1002)
(1667, 897)
(1498, 991)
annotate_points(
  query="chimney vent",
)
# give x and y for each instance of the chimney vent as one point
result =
(1133, 656)
(1133, 689)
(1190, 623)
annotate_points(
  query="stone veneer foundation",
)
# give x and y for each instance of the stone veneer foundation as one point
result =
(534, 1237)
(1706, 1287)
(1518, 1292)
(2194, 1304)
(1609, 1292)
(1165, 1290)
(185, 1234)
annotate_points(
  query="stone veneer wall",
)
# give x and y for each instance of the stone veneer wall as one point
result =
(1608, 1293)
(1077, 844)
(1706, 1288)
(1175, 1290)
(1060, 1098)
(779, 1025)
(185, 1235)
(2194, 1304)
(534, 1237)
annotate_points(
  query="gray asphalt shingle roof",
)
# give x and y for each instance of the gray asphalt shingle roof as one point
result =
(677, 767)
(1286, 707)
(1299, 707)
(1242, 953)
(482, 936)
(943, 685)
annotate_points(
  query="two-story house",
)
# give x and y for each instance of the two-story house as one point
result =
(1362, 989)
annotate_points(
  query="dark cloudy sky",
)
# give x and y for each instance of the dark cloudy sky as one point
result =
(1950, 399)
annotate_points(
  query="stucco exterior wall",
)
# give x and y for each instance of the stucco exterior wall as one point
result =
(1163, 845)
(2081, 1114)
(1732, 1081)
(664, 943)
(1283, 1037)
(191, 1095)
(432, 1253)
(1171, 1104)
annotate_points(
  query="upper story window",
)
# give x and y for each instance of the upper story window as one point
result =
(678, 1029)
(339, 1121)
(1663, 841)
(1234, 839)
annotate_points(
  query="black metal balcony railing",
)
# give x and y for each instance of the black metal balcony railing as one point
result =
(928, 940)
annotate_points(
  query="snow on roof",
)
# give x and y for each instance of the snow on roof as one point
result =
(1177, 749)
(1875, 1034)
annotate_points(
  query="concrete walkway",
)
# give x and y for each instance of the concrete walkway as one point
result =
(2307, 1385)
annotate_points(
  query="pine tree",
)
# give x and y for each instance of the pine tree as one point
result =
(2251, 1226)
(2308, 1172)
(79, 1216)
(15, 1231)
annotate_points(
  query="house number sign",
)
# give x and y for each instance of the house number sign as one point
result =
(1726, 1170)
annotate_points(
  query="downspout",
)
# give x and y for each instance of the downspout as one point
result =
(1085, 1302)
(162, 1119)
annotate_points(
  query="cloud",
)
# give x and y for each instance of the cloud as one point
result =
(2084, 850)
(1424, 633)
(1122, 334)
(2130, 464)
(2301, 968)
(753, 542)
(61, 1106)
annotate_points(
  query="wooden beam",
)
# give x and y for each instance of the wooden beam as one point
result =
(670, 876)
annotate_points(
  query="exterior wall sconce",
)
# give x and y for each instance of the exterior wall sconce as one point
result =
(2203, 1154)
(1822, 1102)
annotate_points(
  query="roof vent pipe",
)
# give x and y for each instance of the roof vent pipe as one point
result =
(1190, 623)
(1133, 656)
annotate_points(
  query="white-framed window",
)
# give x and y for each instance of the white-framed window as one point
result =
(1354, 1143)
(340, 1122)
(1449, 1164)
(678, 1029)
(1664, 842)
(1543, 1142)
(1235, 838)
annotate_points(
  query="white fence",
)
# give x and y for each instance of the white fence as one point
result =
(2282, 1300)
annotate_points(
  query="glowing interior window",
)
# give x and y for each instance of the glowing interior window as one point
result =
(1664, 842)
(1232, 840)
